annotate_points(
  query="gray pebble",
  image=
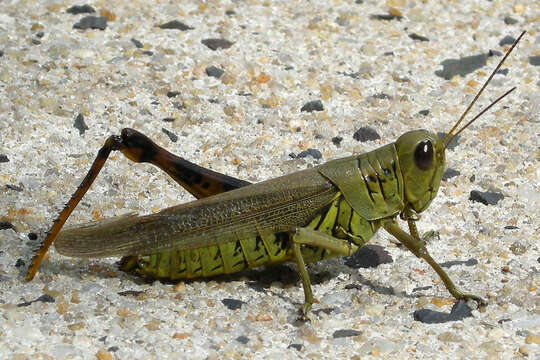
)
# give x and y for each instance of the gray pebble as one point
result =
(486, 198)
(91, 22)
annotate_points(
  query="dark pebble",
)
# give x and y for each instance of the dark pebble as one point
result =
(422, 288)
(168, 119)
(233, 304)
(415, 36)
(454, 142)
(510, 20)
(502, 321)
(507, 40)
(353, 75)
(449, 173)
(175, 25)
(296, 346)
(19, 263)
(314, 153)
(79, 124)
(230, 12)
(113, 349)
(326, 311)
(215, 44)
(103, 338)
(470, 262)
(91, 22)
(382, 96)
(511, 227)
(18, 188)
(534, 60)
(486, 198)
(214, 71)
(368, 256)
(1, 53)
(80, 9)
(315, 105)
(40, 34)
(337, 140)
(178, 105)
(171, 94)
(503, 72)
(424, 112)
(462, 66)
(3, 158)
(4, 225)
(242, 339)
(148, 52)
(494, 53)
(386, 17)
(472, 179)
(32, 236)
(137, 43)
(345, 333)
(459, 311)
(133, 293)
(172, 136)
(366, 134)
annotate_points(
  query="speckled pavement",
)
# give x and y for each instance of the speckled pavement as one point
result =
(258, 89)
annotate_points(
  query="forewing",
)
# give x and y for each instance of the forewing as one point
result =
(273, 206)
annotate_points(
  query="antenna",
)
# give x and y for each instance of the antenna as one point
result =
(449, 135)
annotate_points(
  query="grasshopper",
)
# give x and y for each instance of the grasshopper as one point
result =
(322, 212)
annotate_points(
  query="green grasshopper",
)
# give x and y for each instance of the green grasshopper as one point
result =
(322, 212)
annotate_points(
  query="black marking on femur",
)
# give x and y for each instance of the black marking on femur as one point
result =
(371, 178)
(284, 237)
(182, 270)
(241, 262)
(218, 254)
(323, 213)
(323, 252)
(237, 246)
(237, 249)
(423, 155)
(198, 269)
(216, 267)
(258, 242)
(259, 257)
(394, 168)
(386, 172)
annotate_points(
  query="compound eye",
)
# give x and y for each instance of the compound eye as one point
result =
(423, 155)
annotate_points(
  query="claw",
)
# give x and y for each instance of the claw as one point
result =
(479, 301)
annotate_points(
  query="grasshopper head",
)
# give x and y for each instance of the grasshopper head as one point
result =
(422, 161)
(421, 153)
